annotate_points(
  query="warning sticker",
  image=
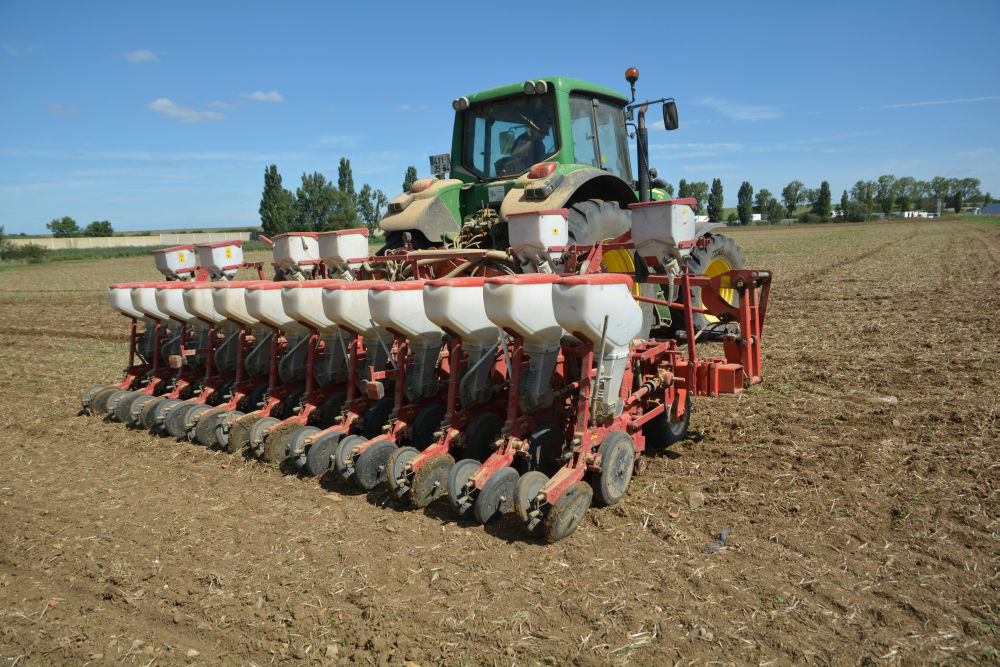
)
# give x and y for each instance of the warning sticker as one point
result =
(229, 253)
(180, 256)
(496, 193)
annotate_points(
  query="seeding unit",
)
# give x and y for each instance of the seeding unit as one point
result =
(533, 391)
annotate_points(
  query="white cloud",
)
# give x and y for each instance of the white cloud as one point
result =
(220, 105)
(60, 110)
(690, 150)
(140, 56)
(737, 111)
(961, 100)
(261, 96)
(182, 113)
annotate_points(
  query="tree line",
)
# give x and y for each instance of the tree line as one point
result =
(318, 204)
(886, 195)
(66, 226)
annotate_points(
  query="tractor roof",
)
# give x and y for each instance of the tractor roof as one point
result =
(559, 82)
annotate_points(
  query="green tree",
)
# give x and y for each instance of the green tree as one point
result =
(409, 179)
(699, 190)
(320, 207)
(277, 205)
(370, 203)
(864, 192)
(940, 189)
(345, 178)
(885, 193)
(744, 203)
(843, 205)
(683, 191)
(773, 211)
(715, 201)
(99, 228)
(761, 199)
(821, 206)
(969, 188)
(906, 192)
(65, 227)
(987, 199)
(792, 195)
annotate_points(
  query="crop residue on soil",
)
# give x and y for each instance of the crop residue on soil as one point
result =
(857, 488)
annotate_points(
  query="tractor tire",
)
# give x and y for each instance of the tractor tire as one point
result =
(721, 255)
(595, 220)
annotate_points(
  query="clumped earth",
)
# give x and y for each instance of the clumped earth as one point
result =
(857, 488)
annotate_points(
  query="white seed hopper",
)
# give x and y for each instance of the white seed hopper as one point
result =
(399, 307)
(120, 298)
(230, 301)
(144, 300)
(263, 301)
(170, 299)
(303, 302)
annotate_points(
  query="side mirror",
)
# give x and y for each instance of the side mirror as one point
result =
(670, 115)
(506, 142)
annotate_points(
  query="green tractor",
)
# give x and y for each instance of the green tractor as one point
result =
(553, 143)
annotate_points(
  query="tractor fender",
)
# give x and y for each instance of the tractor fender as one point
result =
(427, 211)
(573, 186)
(702, 228)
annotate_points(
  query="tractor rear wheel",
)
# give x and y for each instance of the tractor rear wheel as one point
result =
(721, 255)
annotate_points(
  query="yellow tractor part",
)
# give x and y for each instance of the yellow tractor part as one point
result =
(717, 267)
(620, 261)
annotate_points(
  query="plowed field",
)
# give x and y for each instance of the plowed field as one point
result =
(858, 486)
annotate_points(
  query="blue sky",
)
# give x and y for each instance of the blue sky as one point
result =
(161, 115)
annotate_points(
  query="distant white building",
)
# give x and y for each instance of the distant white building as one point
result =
(916, 214)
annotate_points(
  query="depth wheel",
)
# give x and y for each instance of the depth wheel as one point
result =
(527, 490)
(343, 458)
(319, 454)
(400, 482)
(239, 431)
(258, 436)
(461, 493)
(137, 407)
(194, 416)
(426, 424)
(147, 415)
(113, 402)
(376, 417)
(497, 495)
(617, 463)
(370, 468)
(567, 513)
(175, 419)
(297, 447)
(123, 408)
(480, 435)
(99, 401)
(160, 413)
(204, 430)
(224, 427)
(88, 396)
(431, 481)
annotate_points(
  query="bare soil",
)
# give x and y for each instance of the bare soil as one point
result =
(858, 486)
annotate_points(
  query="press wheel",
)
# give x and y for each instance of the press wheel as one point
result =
(371, 466)
(399, 481)
(567, 512)
(223, 428)
(204, 430)
(297, 448)
(497, 495)
(431, 480)
(239, 432)
(258, 435)
(527, 490)
(461, 496)
(99, 401)
(319, 454)
(617, 463)
(343, 458)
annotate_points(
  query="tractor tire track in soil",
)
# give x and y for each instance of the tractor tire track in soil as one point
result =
(858, 486)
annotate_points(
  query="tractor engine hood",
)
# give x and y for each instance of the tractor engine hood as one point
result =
(433, 209)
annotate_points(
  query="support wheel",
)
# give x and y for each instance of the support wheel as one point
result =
(204, 430)
(399, 480)
(497, 495)
(224, 427)
(617, 463)
(297, 449)
(276, 444)
(239, 432)
(193, 417)
(431, 480)
(259, 433)
(568, 511)
(663, 430)
(371, 466)
(113, 402)
(343, 458)
(426, 424)
(88, 396)
(319, 454)
(376, 417)
(461, 492)
(527, 490)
